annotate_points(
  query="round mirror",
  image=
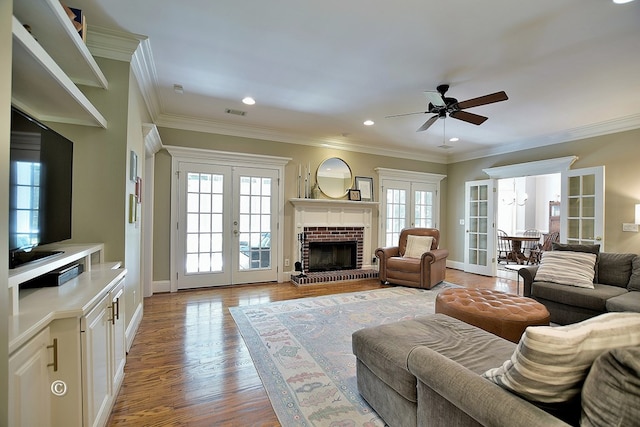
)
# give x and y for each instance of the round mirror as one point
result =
(334, 177)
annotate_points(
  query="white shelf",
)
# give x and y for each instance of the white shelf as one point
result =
(54, 31)
(31, 270)
(41, 89)
(73, 299)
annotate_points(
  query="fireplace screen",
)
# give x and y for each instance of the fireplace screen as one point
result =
(329, 256)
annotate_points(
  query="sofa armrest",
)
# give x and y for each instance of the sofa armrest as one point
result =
(528, 273)
(479, 398)
(387, 252)
(435, 255)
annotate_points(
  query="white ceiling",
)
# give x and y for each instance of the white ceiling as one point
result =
(318, 69)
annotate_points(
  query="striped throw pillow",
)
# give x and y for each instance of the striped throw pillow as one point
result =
(417, 245)
(550, 364)
(567, 268)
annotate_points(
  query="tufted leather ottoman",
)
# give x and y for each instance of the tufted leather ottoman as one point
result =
(502, 314)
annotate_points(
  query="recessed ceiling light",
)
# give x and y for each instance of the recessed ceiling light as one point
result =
(454, 139)
(178, 89)
(249, 100)
(622, 1)
(369, 122)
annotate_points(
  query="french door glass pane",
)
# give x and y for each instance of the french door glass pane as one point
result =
(255, 223)
(423, 208)
(396, 208)
(204, 223)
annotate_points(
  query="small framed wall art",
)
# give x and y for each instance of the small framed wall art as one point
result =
(354, 195)
(365, 185)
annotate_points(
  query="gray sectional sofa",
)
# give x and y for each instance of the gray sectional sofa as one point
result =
(427, 372)
(616, 288)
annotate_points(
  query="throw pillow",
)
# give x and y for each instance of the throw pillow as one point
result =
(417, 245)
(611, 392)
(567, 268)
(634, 280)
(550, 364)
(615, 268)
(592, 249)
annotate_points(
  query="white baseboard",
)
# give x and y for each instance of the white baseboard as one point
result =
(161, 286)
(456, 265)
(132, 329)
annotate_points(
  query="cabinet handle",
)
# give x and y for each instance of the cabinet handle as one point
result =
(113, 314)
(117, 308)
(54, 346)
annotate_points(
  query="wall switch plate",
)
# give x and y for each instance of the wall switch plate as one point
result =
(630, 227)
(286, 262)
(462, 222)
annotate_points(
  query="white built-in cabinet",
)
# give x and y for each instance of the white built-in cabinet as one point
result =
(103, 356)
(67, 343)
(29, 383)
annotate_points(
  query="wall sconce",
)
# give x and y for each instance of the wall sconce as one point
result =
(638, 213)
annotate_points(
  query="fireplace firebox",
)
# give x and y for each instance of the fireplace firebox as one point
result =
(331, 256)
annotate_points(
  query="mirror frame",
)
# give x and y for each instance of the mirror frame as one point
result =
(328, 191)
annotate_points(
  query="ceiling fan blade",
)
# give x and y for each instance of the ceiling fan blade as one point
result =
(435, 98)
(476, 119)
(483, 100)
(428, 123)
(406, 114)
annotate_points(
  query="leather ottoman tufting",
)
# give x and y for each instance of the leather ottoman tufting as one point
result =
(502, 314)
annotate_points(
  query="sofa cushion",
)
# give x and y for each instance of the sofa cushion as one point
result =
(592, 299)
(550, 363)
(634, 280)
(417, 245)
(385, 349)
(611, 392)
(629, 301)
(591, 249)
(615, 269)
(567, 268)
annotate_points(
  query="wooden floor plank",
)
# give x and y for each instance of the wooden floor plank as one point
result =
(188, 365)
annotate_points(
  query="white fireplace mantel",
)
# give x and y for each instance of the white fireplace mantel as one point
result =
(335, 213)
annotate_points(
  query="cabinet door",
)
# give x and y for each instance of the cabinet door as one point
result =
(96, 375)
(118, 336)
(29, 387)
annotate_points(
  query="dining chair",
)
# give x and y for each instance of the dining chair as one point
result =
(536, 254)
(529, 247)
(504, 247)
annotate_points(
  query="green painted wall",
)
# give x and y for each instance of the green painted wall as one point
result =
(361, 165)
(619, 154)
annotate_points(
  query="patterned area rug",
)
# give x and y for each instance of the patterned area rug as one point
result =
(302, 350)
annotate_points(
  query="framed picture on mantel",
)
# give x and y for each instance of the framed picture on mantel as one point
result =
(365, 185)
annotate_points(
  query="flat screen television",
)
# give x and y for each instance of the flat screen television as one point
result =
(40, 188)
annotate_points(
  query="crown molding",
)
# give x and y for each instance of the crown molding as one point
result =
(112, 44)
(152, 140)
(211, 126)
(144, 70)
(590, 131)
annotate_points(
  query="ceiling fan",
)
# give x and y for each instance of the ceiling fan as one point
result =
(441, 106)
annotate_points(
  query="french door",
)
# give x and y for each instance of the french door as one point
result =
(479, 243)
(407, 204)
(227, 217)
(582, 207)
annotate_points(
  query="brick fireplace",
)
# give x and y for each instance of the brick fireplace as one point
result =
(334, 228)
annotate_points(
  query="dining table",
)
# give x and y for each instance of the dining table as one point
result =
(517, 254)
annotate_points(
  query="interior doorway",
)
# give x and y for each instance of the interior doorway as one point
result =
(529, 203)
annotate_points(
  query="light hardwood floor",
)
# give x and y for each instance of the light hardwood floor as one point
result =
(188, 365)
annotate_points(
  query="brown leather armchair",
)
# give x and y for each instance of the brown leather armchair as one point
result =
(424, 272)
